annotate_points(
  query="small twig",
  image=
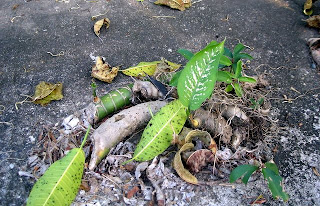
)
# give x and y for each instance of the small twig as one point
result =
(251, 48)
(164, 17)
(196, 1)
(75, 8)
(108, 178)
(7, 123)
(23, 101)
(226, 19)
(12, 20)
(56, 55)
(96, 16)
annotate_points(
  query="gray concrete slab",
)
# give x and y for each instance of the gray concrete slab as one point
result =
(273, 28)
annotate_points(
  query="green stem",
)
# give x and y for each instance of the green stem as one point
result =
(85, 137)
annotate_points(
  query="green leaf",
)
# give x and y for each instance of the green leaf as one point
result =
(244, 171)
(59, 185)
(224, 76)
(225, 61)
(237, 49)
(237, 89)
(228, 53)
(198, 78)
(272, 167)
(238, 69)
(46, 92)
(175, 78)
(229, 88)
(260, 101)
(158, 134)
(141, 69)
(185, 53)
(244, 56)
(274, 183)
(247, 79)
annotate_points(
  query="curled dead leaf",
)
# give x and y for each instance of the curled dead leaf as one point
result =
(204, 136)
(178, 165)
(103, 72)
(175, 4)
(199, 159)
(98, 25)
(314, 21)
(307, 8)
(46, 92)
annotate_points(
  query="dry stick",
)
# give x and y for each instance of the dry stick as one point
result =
(164, 17)
(56, 55)
(96, 16)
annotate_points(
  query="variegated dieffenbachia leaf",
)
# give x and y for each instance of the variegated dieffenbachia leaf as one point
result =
(158, 134)
(198, 78)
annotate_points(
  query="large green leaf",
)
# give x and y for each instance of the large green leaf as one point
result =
(59, 185)
(158, 134)
(275, 182)
(244, 171)
(198, 78)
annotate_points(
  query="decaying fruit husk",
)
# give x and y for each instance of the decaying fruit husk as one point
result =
(198, 159)
(178, 165)
(314, 44)
(119, 126)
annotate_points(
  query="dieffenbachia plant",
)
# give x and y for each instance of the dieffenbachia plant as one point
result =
(195, 84)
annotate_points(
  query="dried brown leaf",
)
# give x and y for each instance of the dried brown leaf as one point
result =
(98, 25)
(175, 4)
(46, 92)
(178, 165)
(314, 21)
(199, 159)
(132, 192)
(103, 71)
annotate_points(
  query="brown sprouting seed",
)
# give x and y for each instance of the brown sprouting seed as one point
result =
(103, 72)
(199, 159)
(98, 25)
(231, 111)
(146, 89)
(14, 7)
(213, 123)
(178, 165)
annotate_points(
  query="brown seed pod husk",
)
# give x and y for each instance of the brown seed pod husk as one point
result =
(179, 167)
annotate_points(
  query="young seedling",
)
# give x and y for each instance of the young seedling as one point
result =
(270, 173)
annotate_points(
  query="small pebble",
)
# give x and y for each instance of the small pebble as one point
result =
(11, 166)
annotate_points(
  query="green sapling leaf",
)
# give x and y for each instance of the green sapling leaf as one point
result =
(238, 69)
(244, 171)
(272, 167)
(274, 182)
(175, 78)
(185, 53)
(237, 49)
(229, 88)
(247, 79)
(237, 89)
(224, 76)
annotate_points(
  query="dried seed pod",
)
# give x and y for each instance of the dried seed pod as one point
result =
(178, 165)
